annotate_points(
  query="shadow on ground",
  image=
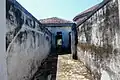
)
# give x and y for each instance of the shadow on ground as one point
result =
(62, 67)
(48, 69)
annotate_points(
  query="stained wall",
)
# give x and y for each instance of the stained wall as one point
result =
(99, 42)
(28, 43)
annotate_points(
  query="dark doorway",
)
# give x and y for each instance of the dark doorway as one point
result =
(69, 45)
(59, 42)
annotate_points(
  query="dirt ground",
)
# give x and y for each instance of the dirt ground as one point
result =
(63, 67)
(69, 69)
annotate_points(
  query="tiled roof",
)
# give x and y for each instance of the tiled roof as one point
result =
(85, 13)
(54, 20)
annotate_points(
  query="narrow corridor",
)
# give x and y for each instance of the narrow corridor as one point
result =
(62, 67)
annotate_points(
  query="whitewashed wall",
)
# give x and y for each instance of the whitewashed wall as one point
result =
(99, 42)
(27, 42)
(3, 65)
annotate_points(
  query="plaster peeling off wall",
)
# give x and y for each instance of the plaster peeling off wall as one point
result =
(99, 42)
(27, 42)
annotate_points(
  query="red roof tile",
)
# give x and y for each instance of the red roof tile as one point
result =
(54, 20)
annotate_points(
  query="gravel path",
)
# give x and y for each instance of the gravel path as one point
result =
(62, 67)
(69, 69)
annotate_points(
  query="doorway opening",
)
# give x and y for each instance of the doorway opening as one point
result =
(59, 42)
(69, 45)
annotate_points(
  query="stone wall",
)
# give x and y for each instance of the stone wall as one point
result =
(99, 42)
(3, 65)
(27, 42)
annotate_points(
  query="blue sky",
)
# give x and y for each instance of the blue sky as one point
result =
(66, 9)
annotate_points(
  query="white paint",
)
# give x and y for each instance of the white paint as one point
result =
(94, 31)
(24, 59)
(3, 66)
(49, 77)
(119, 10)
(102, 35)
(105, 75)
(13, 41)
(21, 57)
(27, 27)
(119, 21)
(82, 38)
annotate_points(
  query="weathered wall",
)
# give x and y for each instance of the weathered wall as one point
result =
(3, 65)
(99, 42)
(27, 42)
